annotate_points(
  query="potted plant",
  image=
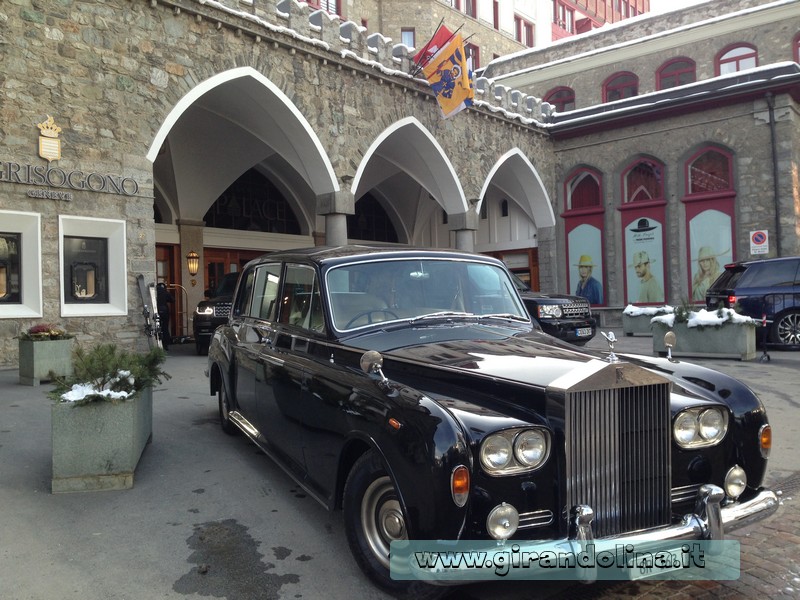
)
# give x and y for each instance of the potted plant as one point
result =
(102, 417)
(636, 319)
(45, 352)
(721, 333)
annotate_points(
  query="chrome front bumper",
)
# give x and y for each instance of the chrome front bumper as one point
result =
(709, 521)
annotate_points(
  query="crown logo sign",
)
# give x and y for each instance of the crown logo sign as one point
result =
(49, 128)
(49, 144)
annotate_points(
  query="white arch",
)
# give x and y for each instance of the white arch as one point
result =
(521, 183)
(323, 181)
(408, 146)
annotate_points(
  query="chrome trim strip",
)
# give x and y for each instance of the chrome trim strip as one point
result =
(537, 518)
(685, 493)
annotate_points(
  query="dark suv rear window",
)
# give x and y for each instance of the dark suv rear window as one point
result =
(776, 274)
(727, 280)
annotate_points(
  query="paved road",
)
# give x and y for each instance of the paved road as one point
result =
(211, 517)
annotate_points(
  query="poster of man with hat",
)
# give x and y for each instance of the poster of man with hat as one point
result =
(588, 287)
(644, 247)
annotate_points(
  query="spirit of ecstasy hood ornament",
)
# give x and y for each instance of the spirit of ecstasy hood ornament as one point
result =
(611, 339)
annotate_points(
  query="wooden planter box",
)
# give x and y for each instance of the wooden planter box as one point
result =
(38, 358)
(727, 341)
(97, 446)
(638, 325)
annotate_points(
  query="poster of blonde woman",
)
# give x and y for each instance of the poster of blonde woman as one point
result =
(710, 246)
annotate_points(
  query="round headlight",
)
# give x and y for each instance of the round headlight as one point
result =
(496, 452)
(712, 424)
(735, 481)
(530, 447)
(502, 522)
(685, 427)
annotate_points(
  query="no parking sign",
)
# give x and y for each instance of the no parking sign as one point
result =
(759, 242)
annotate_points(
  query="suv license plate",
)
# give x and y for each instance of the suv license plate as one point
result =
(584, 331)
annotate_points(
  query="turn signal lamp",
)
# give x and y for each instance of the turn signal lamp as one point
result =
(459, 485)
(765, 440)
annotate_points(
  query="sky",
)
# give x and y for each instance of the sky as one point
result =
(657, 6)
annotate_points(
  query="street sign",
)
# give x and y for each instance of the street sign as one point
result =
(759, 242)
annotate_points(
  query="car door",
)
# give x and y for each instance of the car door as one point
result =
(280, 380)
(252, 322)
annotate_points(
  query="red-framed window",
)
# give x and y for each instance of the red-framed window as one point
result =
(675, 72)
(562, 98)
(496, 14)
(643, 181)
(333, 7)
(584, 218)
(468, 7)
(796, 49)
(473, 56)
(523, 31)
(583, 190)
(563, 16)
(710, 201)
(736, 58)
(619, 86)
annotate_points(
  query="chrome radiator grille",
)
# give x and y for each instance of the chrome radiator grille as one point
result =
(576, 309)
(222, 310)
(618, 461)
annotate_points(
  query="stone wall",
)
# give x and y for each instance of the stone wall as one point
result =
(110, 73)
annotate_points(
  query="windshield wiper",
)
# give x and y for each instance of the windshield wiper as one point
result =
(506, 316)
(444, 314)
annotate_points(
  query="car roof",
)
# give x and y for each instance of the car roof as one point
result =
(332, 255)
(747, 263)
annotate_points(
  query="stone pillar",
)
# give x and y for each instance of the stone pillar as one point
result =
(191, 233)
(465, 225)
(335, 207)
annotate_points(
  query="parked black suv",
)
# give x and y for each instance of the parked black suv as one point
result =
(213, 312)
(768, 287)
(566, 317)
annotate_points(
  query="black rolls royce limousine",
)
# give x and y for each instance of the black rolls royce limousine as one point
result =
(410, 389)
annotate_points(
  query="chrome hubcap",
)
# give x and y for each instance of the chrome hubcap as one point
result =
(382, 518)
(789, 329)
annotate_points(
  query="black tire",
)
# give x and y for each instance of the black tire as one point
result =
(786, 329)
(373, 517)
(224, 411)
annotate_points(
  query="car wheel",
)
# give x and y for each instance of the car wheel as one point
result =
(373, 518)
(224, 411)
(786, 329)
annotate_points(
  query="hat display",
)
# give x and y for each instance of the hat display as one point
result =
(644, 225)
(707, 252)
(640, 257)
(585, 261)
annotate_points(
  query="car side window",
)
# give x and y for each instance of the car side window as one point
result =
(300, 303)
(776, 274)
(265, 296)
(245, 295)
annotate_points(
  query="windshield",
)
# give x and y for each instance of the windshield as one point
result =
(365, 293)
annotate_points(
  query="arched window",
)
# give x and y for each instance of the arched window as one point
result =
(253, 203)
(370, 222)
(736, 58)
(619, 86)
(583, 191)
(562, 98)
(678, 71)
(708, 173)
(643, 182)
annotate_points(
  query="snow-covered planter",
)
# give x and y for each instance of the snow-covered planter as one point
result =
(636, 319)
(45, 351)
(103, 419)
(722, 333)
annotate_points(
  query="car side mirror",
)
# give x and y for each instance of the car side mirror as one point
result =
(372, 363)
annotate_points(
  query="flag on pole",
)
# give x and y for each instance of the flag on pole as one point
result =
(441, 36)
(447, 72)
